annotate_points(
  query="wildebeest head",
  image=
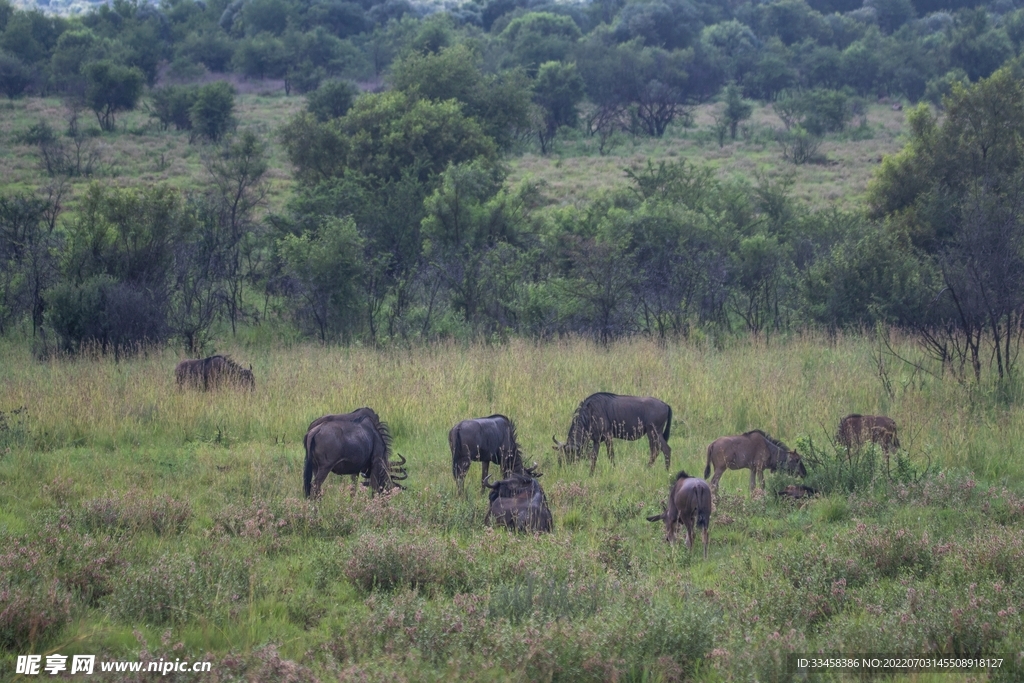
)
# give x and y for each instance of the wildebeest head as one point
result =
(796, 491)
(518, 502)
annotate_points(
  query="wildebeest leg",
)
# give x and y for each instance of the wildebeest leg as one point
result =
(484, 464)
(670, 526)
(318, 481)
(688, 521)
(355, 484)
(593, 456)
(715, 478)
(611, 451)
(753, 477)
(704, 537)
(652, 435)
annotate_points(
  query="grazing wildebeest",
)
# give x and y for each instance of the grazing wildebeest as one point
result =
(689, 501)
(519, 503)
(603, 417)
(486, 440)
(796, 491)
(856, 430)
(754, 450)
(355, 443)
(213, 372)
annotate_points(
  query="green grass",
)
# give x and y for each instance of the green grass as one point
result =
(138, 152)
(576, 170)
(137, 521)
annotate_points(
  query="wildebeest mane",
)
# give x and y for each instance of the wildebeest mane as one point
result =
(682, 475)
(769, 438)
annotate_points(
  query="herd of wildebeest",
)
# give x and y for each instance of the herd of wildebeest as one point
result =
(359, 444)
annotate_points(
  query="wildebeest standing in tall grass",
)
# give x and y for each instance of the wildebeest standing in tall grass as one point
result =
(213, 372)
(604, 416)
(856, 430)
(519, 503)
(754, 450)
(485, 440)
(356, 443)
(689, 501)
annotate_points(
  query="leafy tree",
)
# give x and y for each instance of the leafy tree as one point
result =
(671, 24)
(211, 114)
(326, 266)
(238, 171)
(736, 109)
(558, 90)
(261, 56)
(331, 100)
(171, 105)
(265, 16)
(891, 14)
(212, 48)
(954, 192)
(15, 77)
(538, 37)
(498, 102)
(75, 48)
(29, 244)
(111, 88)
(468, 218)
(386, 135)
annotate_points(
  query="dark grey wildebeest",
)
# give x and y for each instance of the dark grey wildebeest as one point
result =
(355, 443)
(603, 417)
(754, 450)
(213, 372)
(518, 502)
(485, 440)
(689, 502)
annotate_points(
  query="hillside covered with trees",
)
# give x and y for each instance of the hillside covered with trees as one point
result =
(401, 224)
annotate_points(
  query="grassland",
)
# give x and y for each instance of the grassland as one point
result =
(137, 521)
(140, 153)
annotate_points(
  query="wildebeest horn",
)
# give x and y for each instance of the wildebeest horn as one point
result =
(532, 471)
(490, 486)
(403, 460)
(399, 477)
(656, 518)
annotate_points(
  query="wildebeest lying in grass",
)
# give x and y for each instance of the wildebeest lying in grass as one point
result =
(603, 417)
(796, 492)
(689, 501)
(486, 440)
(355, 443)
(856, 430)
(519, 503)
(754, 450)
(213, 372)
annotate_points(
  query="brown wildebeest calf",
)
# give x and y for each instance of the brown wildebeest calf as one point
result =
(689, 501)
(856, 430)
(754, 450)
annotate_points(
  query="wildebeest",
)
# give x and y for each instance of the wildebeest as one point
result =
(856, 430)
(754, 450)
(485, 440)
(519, 503)
(356, 443)
(796, 491)
(603, 417)
(689, 501)
(213, 372)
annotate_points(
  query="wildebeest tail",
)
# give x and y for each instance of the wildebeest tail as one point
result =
(707, 468)
(455, 441)
(703, 507)
(668, 423)
(307, 471)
